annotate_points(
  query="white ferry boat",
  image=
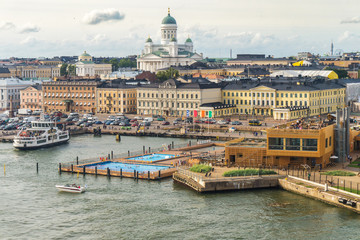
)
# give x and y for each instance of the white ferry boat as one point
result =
(42, 133)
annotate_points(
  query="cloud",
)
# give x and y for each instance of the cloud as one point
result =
(29, 28)
(98, 38)
(7, 25)
(351, 20)
(106, 15)
(29, 41)
(347, 36)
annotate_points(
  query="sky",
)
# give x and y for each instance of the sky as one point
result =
(115, 28)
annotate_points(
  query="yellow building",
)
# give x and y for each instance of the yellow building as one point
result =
(119, 98)
(35, 71)
(285, 98)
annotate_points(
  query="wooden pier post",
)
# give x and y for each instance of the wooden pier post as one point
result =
(159, 174)
(148, 175)
(60, 168)
(77, 160)
(172, 144)
(84, 172)
(190, 143)
(108, 172)
(143, 149)
(95, 170)
(134, 174)
(128, 153)
(149, 149)
(37, 167)
(137, 175)
(72, 168)
(121, 172)
(112, 154)
(109, 156)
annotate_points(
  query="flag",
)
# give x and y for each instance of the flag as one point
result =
(202, 114)
(187, 113)
(195, 113)
(210, 114)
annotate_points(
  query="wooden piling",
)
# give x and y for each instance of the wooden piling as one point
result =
(77, 160)
(37, 167)
(134, 174)
(159, 174)
(148, 175)
(84, 172)
(128, 153)
(149, 149)
(143, 149)
(108, 172)
(72, 168)
(121, 172)
(112, 154)
(95, 170)
(172, 144)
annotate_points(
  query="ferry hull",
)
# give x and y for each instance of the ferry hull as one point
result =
(41, 146)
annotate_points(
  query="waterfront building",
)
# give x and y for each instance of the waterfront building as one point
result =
(292, 144)
(51, 62)
(305, 73)
(169, 52)
(116, 97)
(285, 98)
(70, 96)
(173, 98)
(86, 67)
(31, 97)
(26, 72)
(10, 92)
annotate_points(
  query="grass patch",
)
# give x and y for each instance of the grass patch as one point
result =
(338, 173)
(247, 172)
(347, 189)
(355, 164)
(200, 168)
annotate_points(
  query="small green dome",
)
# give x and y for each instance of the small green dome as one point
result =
(168, 20)
(149, 40)
(188, 40)
(173, 39)
(85, 54)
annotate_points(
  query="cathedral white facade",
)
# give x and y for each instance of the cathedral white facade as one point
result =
(169, 52)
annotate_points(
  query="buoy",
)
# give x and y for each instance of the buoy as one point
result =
(77, 175)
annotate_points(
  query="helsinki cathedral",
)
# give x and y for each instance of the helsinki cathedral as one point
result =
(169, 52)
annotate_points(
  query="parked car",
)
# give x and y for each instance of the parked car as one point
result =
(160, 119)
(133, 120)
(135, 124)
(210, 121)
(138, 118)
(236, 123)
(165, 123)
(255, 123)
(145, 123)
(222, 122)
(176, 122)
(98, 122)
(64, 115)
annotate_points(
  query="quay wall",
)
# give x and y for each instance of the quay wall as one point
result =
(319, 193)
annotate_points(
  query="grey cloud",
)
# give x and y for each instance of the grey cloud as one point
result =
(352, 20)
(98, 16)
(6, 25)
(29, 28)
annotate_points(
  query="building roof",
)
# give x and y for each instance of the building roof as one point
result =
(306, 73)
(168, 19)
(285, 84)
(172, 83)
(149, 39)
(85, 54)
(4, 70)
(188, 40)
(217, 105)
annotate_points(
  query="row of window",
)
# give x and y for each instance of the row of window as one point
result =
(69, 88)
(129, 95)
(31, 94)
(291, 95)
(294, 144)
(130, 102)
(167, 104)
(30, 100)
(186, 96)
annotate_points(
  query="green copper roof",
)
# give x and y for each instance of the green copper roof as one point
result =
(188, 40)
(168, 20)
(85, 54)
(149, 40)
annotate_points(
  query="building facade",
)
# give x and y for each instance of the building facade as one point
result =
(271, 97)
(86, 67)
(116, 98)
(169, 52)
(35, 71)
(31, 97)
(10, 92)
(70, 96)
(173, 98)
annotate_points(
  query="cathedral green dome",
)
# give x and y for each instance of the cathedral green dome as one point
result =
(85, 54)
(168, 19)
(188, 40)
(149, 40)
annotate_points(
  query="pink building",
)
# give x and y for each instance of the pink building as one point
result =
(31, 97)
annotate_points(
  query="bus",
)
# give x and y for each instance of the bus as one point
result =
(254, 123)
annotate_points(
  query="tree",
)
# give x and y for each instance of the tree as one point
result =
(167, 74)
(63, 69)
(114, 64)
(71, 70)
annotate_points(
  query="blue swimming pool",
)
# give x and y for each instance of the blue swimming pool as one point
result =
(152, 157)
(126, 167)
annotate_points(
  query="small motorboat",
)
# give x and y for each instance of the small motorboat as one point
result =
(72, 188)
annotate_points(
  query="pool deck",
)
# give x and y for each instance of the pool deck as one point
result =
(182, 155)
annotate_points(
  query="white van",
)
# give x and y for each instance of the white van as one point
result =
(148, 119)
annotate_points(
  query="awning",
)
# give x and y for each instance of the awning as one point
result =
(57, 95)
(93, 95)
(80, 103)
(69, 95)
(44, 94)
(334, 157)
(77, 104)
(89, 95)
(53, 94)
(77, 95)
(60, 94)
(89, 104)
(80, 94)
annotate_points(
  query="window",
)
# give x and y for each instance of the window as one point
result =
(309, 144)
(276, 143)
(330, 141)
(293, 144)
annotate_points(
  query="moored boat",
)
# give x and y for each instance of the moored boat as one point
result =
(72, 188)
(42, 133)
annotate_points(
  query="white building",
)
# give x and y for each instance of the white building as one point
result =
(169, 52)
(86, 67)
(10, 92)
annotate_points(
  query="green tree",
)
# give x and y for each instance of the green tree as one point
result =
(126, 62)
(114, 64)
(63, 69)
(167, 74)
(71, 70)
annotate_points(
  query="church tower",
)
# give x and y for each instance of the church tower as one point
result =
(168, 29)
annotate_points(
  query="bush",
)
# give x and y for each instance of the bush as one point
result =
(339, 173)
(200, 168)
(248, 172)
